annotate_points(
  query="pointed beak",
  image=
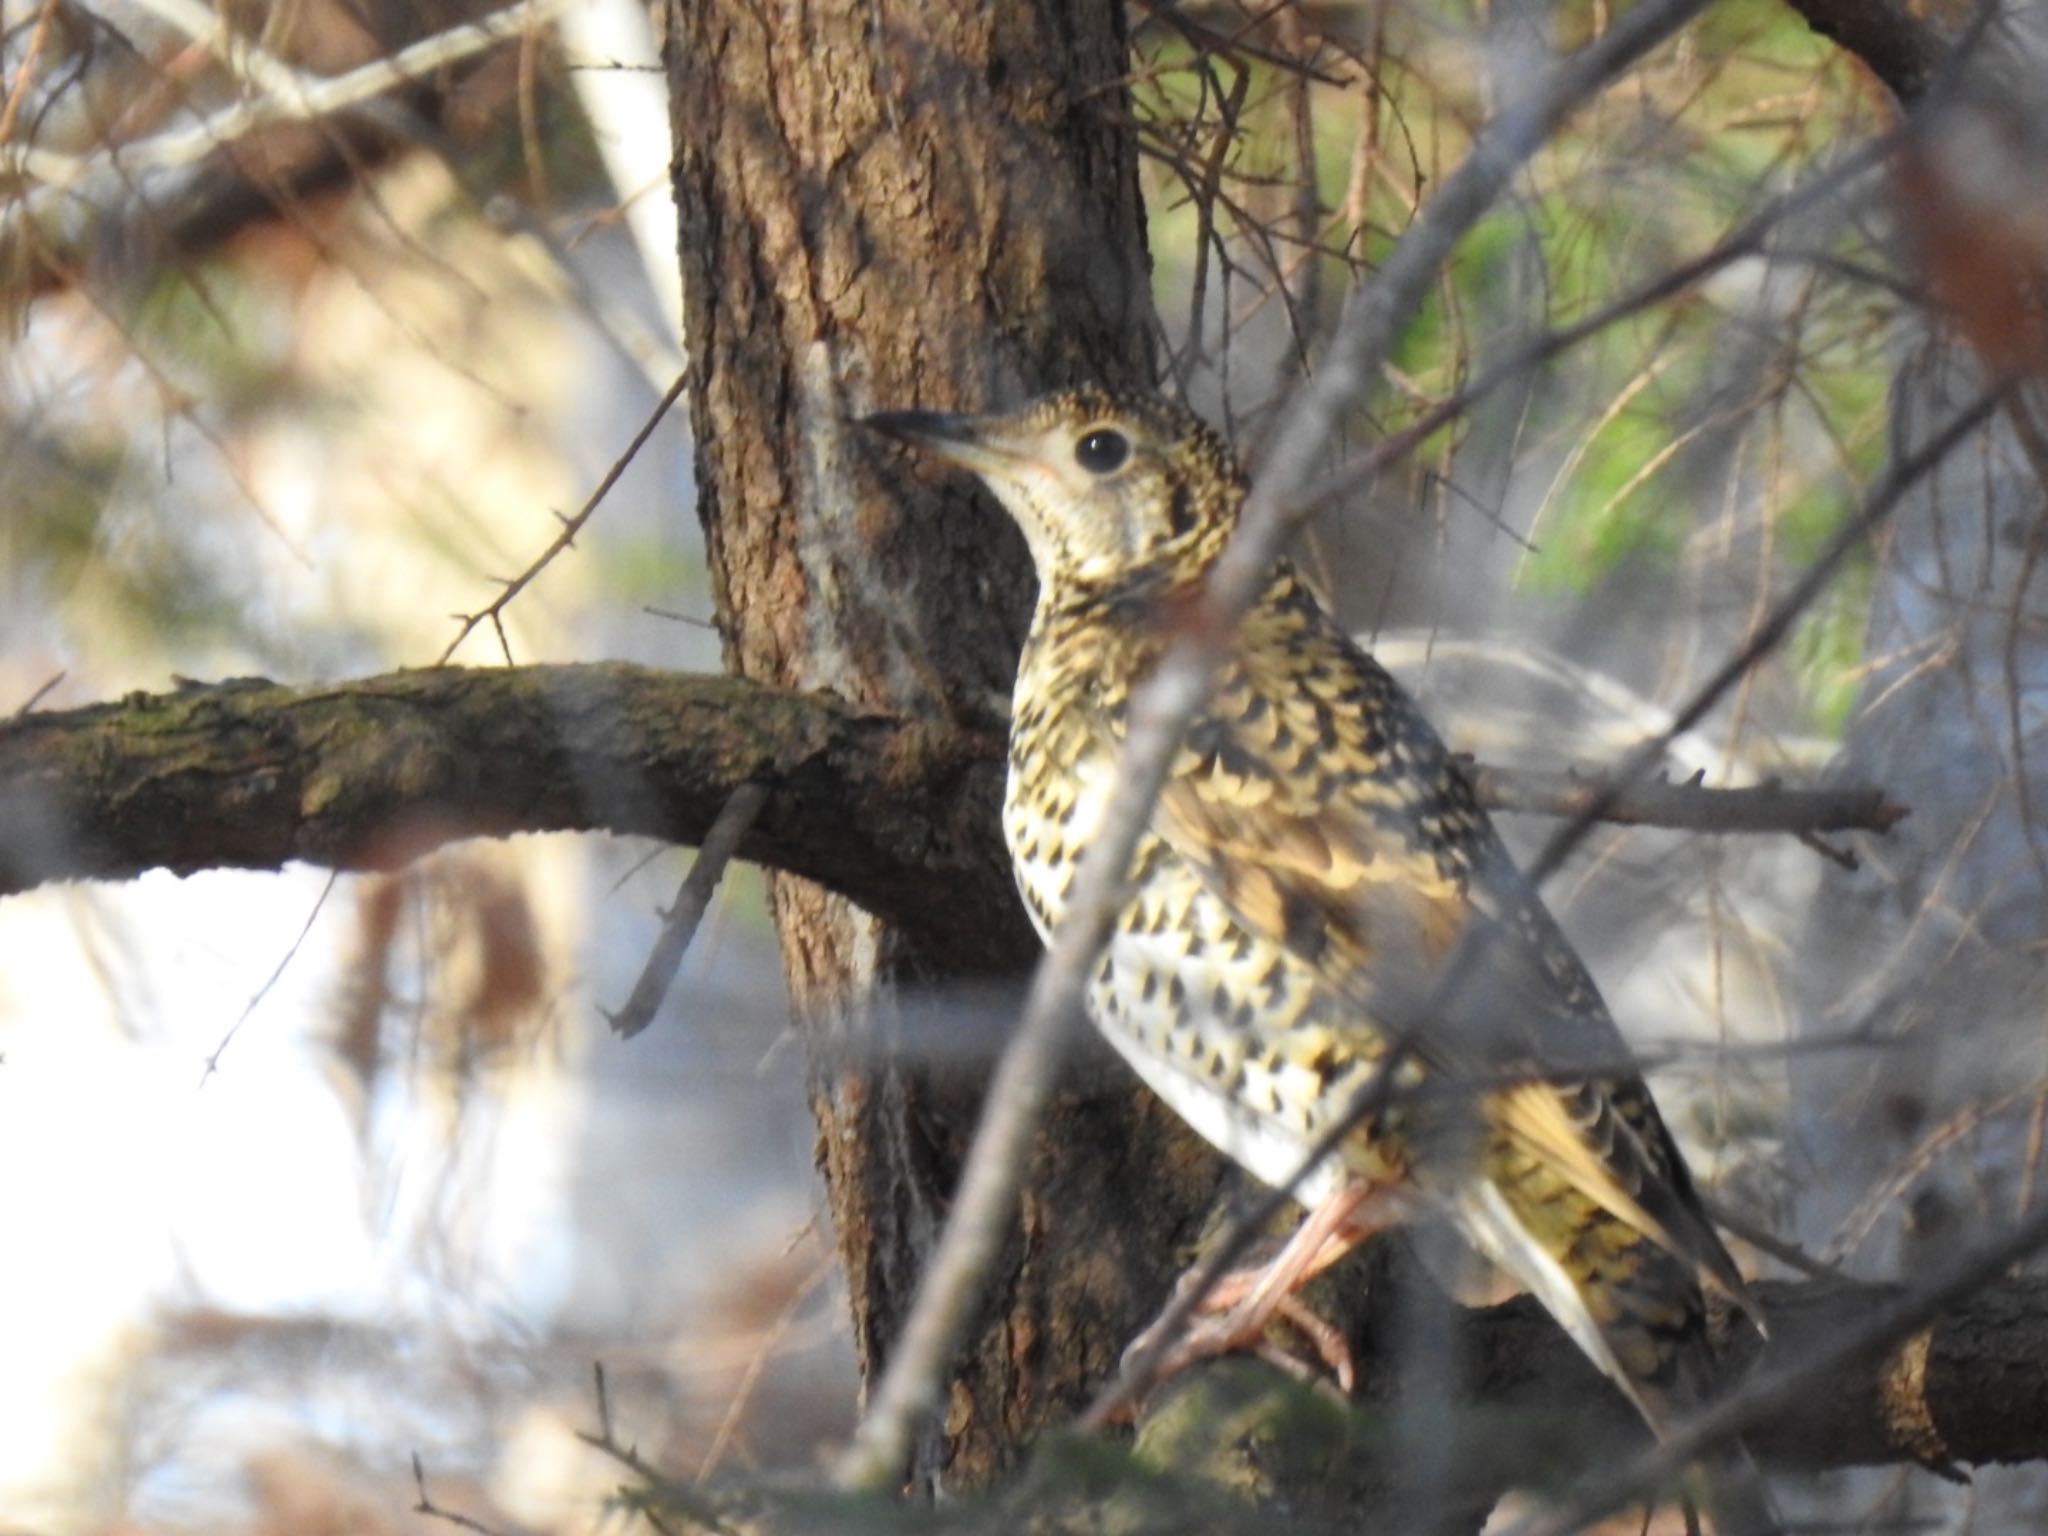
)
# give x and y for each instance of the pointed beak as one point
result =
(961, 440)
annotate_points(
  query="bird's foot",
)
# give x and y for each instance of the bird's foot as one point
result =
(1238, 1311)
(1237, 1317)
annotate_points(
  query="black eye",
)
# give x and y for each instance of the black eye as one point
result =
(1102, 451)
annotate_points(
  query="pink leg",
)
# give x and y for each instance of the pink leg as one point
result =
(1239, 1307)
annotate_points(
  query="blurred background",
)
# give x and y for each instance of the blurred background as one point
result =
(306, 1175)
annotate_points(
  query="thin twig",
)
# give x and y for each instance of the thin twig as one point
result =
(1205, 211)
(1887, 1194)
(604, 1401)
(742, 807)
(1206, 40)
(1692, 807)
(571, 526)
(757, 1365)
(310, 98)
(1304, 300)
(1160, 713)
(692, 1504)
(678, 618)
(24, 72)
(49, 686)
(1768, 1243)
(426, 1506)
(1843, 859)
(220, 1049)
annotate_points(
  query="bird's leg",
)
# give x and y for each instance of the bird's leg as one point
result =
(1234, 1315)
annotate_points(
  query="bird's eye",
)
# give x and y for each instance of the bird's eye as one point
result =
(1102, 451)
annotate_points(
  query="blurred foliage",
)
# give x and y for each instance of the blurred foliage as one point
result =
(646, 569)
(221, 338)
(1827, 648)
(165, 411)
(1636, 434)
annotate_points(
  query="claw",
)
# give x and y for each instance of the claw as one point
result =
(1240, 1307)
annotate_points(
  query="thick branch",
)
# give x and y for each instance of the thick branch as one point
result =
(1236, 1443)
(366, 775)
(898, 816)
(1522, 1406)
(1971, 1389)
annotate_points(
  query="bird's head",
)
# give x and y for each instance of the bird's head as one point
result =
(1105, 486)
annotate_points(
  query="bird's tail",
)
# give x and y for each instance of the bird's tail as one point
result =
(1725, 1483)
(1640, 1315)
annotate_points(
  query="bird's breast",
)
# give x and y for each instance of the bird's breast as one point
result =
(1238, 1036)
(1058, 786)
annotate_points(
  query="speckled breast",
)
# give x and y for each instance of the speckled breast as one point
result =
(1233, 1033)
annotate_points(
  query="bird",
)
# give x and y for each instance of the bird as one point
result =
(1315, 859)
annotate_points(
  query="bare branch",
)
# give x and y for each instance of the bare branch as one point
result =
(691, 903)
(250, 774)
(571, 526)
(1900, 476)
(1518, 1405)
(1690, 807)
(303, 99)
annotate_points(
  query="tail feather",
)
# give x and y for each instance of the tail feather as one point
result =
(1639, 1314)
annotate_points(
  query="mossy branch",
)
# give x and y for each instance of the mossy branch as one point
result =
(1236, 1444)
(251, 774)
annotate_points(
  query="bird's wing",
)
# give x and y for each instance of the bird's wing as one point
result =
(1320, 806)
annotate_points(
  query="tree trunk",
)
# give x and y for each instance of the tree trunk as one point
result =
(887, 206)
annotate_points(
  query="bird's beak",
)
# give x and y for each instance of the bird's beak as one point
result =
(962, 440)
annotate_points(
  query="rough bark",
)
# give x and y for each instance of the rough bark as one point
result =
(891, 206)
(1972, 1389)
(1238, 1445)
(1519, 1406)
(250, 774)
